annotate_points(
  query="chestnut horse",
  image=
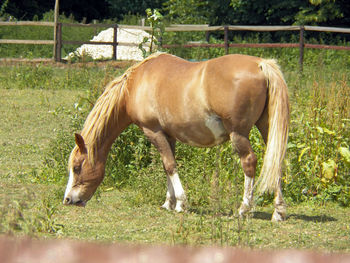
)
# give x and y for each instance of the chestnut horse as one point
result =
(198, 103)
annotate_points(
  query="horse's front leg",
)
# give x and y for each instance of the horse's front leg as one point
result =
(247, 196)
(175, 196)
(170, 199)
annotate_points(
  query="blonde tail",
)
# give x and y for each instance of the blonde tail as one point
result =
(278, 111)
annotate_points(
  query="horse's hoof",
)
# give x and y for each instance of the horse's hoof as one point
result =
(243, 210)
(179, 207)
(168, 206)
(278, 217)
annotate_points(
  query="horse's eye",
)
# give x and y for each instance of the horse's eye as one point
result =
(77, 169)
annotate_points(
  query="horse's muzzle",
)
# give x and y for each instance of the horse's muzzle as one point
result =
(69, 201)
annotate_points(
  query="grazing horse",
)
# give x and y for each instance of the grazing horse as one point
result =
(202, 104)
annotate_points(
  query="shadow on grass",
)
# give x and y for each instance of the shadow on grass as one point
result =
(316, 219)
(206, 212)
(262, 215)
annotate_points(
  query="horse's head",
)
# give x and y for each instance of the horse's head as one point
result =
(84, 177)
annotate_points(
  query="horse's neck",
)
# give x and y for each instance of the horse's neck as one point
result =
(99, 138)
(114, 129)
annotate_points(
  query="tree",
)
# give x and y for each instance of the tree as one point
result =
(3, 7)
(327, 12)
(214, 12)
(87, 9)
(188, 11)
(297, 12)
(120, 8)
(27, 10)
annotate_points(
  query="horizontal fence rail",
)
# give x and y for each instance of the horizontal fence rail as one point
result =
(26, 23)
(27, 42)
(180, 28)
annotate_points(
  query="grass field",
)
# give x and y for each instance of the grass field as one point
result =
(29, 122)
(32, 117)
(112, 218)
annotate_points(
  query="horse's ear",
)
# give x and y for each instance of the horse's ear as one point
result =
(80, 143)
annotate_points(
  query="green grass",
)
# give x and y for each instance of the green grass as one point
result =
(112, 218)
(39, 112)
(29, 122)
(36, 104)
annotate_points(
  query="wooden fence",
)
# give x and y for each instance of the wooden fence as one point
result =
(180, 28)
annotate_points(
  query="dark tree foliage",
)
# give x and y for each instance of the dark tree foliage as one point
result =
(86, 9)
(26, 10)
(80, 9)
(214, 12)
(119, 8)
(277, 12)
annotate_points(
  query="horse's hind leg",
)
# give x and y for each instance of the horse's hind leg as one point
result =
(248, 161)
(175, 197)
(280, 206)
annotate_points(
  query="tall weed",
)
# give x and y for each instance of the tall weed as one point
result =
(28, 217)
(318, 165)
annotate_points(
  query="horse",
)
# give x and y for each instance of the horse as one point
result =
(202, 104)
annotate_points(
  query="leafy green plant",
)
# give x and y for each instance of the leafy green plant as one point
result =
(187, 11)
(25, 216)
(319, 142)
(155, 20)
(47, 221)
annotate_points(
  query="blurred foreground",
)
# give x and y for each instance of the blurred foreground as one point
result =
(29, 250)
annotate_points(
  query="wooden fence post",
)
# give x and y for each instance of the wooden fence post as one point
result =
(56, 17)
(58, 57)
(226, 39)
(301, 48)
(115, 43)
(207, 36)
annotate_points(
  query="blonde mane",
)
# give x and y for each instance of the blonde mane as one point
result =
(106, 109)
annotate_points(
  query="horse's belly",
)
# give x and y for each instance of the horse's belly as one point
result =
(201, 132)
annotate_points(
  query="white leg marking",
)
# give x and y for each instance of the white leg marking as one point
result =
(178, 191)
(168, 204)
(175, 196)
(170, 199)
(277, 217)
(248, 195)
(280, 207)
